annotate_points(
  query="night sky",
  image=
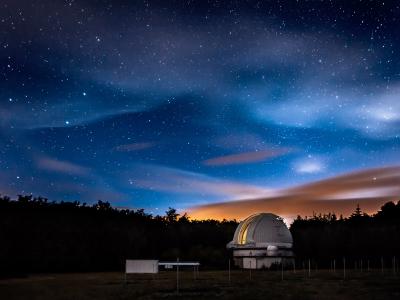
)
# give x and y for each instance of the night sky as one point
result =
(152, 104)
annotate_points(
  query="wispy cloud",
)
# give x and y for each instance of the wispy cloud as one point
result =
(243, 158)
(172, 180)
(60, 166)
(370, 188)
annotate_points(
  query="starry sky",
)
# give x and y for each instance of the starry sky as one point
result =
(201, 105)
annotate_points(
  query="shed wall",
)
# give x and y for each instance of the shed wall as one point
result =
(140, 266)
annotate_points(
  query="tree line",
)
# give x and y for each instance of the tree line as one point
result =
(37, 235)
(324, 237)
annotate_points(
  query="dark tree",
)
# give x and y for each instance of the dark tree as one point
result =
(37, 235)
(41, 236)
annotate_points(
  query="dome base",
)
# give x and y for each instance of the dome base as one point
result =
(263, 262)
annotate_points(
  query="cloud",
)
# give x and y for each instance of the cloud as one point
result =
(370, 188)
(243, 158)
(312, 85)
(134, 147)
(60, 166)
(309, 166)
(375, 114)
(317, 72)
(172, 180)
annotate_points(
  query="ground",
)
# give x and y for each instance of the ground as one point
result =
(209, 285)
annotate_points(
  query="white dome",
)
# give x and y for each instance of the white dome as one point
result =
(263, 230)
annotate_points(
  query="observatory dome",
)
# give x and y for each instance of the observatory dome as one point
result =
(260, 241)
(263, 230)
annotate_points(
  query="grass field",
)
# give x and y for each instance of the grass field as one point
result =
(209, 285)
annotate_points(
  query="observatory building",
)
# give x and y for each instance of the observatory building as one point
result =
(260, 241)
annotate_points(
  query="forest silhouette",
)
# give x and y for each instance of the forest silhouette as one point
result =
(37, 235)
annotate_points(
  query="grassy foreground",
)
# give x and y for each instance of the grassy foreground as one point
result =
(209, 285)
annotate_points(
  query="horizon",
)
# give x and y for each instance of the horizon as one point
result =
(371, 210)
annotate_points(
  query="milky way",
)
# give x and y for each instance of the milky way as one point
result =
(182, 103)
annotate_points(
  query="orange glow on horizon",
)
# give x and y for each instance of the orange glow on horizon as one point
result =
(340, 195)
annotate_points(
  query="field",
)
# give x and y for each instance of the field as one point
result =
(209, 285)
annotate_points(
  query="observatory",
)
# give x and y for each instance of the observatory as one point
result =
(260, 241)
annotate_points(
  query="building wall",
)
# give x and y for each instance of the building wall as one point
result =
(262, 262)
(262, 252)
(141, 266)
(246, 252)
(249, 263)
(267, 262)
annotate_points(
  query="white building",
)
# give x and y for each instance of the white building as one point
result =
(260, 241)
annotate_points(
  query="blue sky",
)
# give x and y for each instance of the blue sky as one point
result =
(155, 104)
